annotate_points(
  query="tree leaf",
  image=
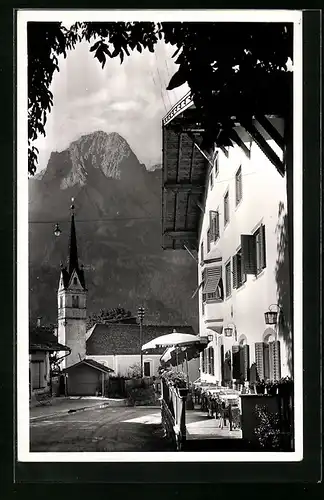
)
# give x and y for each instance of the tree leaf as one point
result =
(95, 46)
(177, 51)
(178, 79)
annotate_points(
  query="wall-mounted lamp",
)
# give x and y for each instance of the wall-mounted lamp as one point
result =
(57, 230)
(271, 316)
(210, 338)
(228, 331)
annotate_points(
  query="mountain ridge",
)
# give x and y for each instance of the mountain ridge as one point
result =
(118, 223)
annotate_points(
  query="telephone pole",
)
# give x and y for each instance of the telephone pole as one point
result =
(141, 313)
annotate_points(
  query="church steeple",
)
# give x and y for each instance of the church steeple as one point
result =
(73, 263)
(72, 301)
(72, 259)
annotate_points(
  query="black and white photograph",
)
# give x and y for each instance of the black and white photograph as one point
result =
(159, 192)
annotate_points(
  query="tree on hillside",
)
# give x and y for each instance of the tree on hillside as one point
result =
(235, 71)
(105, 316)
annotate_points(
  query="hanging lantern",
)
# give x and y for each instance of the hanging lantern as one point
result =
(271, 317)
(228, 332)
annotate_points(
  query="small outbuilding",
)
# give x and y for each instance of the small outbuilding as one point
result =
(86, 378)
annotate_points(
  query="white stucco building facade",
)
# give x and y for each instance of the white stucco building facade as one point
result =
(230, 206)
(247, 197)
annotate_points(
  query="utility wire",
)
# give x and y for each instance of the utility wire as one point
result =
(112, 219)
(157, 67)
(121, 219)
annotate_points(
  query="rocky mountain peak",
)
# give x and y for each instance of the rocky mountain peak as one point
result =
(91, 155)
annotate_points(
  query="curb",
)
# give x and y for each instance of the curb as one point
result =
(146, 407)
(68, 412)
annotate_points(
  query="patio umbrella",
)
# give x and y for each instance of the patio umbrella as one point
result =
(174, 339)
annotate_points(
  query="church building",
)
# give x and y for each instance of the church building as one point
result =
(114, 347)
(72, 303)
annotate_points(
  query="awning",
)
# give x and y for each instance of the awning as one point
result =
(213, 275)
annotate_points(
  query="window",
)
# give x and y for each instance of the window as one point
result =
(61, 301)
(239, 276)
(211, 180)
(228, 279)
(226, 208)
(214, 224)
(75, 281)
(238, 186)
(211, 367)
(254, 251)
(75, 301)
(147, 369)
(212, 284)
(202, 253)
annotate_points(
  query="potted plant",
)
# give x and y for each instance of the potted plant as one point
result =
(272, 387)
(285, 386)
(177, 379)
(260, 387)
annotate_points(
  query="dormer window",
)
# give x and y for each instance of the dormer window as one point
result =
(75, 281)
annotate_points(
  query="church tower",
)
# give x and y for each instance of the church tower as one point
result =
(72, 303)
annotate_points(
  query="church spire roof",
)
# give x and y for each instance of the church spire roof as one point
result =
(73, 263)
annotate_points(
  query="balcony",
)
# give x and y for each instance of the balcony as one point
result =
(213, 315)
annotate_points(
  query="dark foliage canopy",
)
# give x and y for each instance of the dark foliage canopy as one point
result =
(108, 316)
(234, 70)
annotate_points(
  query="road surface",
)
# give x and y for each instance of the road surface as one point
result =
(106, 429)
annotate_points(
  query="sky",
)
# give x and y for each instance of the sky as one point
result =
(129, 98)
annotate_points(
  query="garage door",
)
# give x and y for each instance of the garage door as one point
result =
(79, 388)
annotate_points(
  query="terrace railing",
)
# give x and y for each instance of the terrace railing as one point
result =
(177, 108)
(173, 412)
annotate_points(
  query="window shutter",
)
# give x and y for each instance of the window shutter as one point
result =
(263, 246)
(236, 362)
(214, 275)
(222, 364)
(210, 360)
(274, 358)
(227, 367)
(259, 359)
(245, 361)
(248, 254)
(266, 361)
(203, 361)
(235, 271)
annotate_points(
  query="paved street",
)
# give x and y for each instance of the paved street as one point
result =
(105, 429)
